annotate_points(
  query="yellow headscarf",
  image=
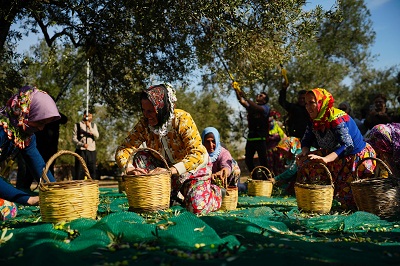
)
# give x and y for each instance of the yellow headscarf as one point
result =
(328, 116)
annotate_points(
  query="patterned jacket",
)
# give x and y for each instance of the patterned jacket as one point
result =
(181, 147)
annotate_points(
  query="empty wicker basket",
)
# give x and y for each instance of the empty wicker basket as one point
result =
(377, 195)
(315, 198)
(260, 187)
(68, 200)
(149, 192)
(230, 200)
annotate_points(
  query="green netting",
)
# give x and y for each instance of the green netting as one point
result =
(260, 231)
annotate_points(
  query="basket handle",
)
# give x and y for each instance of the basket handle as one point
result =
(260, 166)
(313, 164)
(54, 157)
(148, 150)
(372, 158)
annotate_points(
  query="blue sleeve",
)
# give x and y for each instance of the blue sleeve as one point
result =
(349, 138)
(266, 110)
(34, 161)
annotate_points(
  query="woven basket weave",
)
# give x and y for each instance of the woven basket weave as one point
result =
(377, 195)
(148, 192)
(230, 200)
(260, 187)
(68, 200)
(315, 198)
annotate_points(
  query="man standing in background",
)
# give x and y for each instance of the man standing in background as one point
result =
(84, 137)
(297, 114)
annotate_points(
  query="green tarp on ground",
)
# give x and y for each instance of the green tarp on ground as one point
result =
(260, 231)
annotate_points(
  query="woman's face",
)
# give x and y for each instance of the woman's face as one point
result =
(149, 112)
(311, 105)
(209, 142)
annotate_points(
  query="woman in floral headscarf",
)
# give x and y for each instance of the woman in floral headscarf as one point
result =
(224, 167)
(385, 139)
(24, 114)
(341, 145)
(173, 133)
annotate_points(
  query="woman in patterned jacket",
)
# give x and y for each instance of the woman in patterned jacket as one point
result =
(341, 145)
(173, 133)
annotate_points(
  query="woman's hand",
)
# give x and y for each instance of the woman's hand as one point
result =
(317, 158)
(219, 178)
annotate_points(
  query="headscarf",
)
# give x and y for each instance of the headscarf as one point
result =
(290, 144)
(386, 138)
(29, 104)
(213, 155)
(163, 98)
(327, 116)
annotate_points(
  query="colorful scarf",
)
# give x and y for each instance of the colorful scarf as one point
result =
(213, 155)
(290, 144)
(29, 104)
(163, 98)
(385, 138)
(328, 116)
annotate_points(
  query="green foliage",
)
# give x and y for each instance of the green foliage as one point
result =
(129, 44)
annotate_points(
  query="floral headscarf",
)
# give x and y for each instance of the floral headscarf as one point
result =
(163, 98)
(290, 144)
(328, 116)
(385, 138)
(213, 155)
(29, 104)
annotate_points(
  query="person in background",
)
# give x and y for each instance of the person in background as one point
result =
(346, 107)
(289, 147)
(84, 137)
(47, 145)
(296, 112)
(225, 169)
(173, 133)
(258, 128)
(275, 161)
(340, 145)
(378, 113)
(25, 113)
(385, 139)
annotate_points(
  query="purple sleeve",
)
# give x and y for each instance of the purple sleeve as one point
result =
(224, 160)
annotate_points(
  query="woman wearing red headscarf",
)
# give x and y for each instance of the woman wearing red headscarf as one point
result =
(173, 133)
(341, 145)
(24, 114)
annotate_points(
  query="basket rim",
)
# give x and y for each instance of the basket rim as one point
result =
(356, 177)
(313, 164)
(260, 166)
(54, 157)
(69, 182)
(151, 151)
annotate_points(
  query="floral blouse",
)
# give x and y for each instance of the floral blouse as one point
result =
(181, 147)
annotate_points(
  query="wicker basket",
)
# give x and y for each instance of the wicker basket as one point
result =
(230, 200)
(315, 198)
(377, 195)
(260, 187)
(148, 192)
(68, 200)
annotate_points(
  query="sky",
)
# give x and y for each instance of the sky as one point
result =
(385, 16)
